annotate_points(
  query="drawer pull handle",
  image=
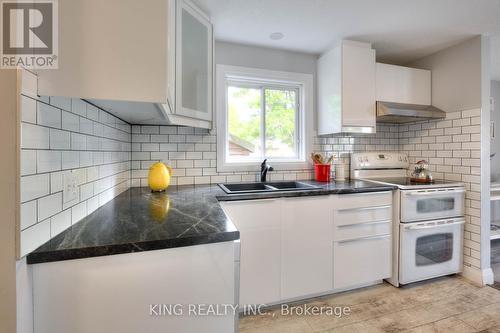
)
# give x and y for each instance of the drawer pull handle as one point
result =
(363, 224)
(362, 239)
(363, 208)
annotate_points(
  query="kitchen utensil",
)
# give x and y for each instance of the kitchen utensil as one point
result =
(421, 173)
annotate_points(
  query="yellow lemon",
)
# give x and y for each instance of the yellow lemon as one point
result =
(159, 176)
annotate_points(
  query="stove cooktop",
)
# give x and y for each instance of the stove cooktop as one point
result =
(406, 183)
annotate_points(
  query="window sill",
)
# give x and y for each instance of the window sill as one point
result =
(255, 166)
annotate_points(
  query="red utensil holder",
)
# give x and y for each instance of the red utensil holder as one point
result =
(322, 172)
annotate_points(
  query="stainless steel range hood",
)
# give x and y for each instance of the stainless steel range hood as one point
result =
(398, 113)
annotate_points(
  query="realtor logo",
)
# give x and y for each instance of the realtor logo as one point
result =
(29, 34)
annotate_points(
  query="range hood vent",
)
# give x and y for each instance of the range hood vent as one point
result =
(399, 113)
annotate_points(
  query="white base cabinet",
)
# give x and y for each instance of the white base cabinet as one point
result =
(125, 293)
(260, 236)
(306, 242)
(362, 247)
(293, 248)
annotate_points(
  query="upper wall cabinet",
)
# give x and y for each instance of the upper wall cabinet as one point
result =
(398, 84)
(147, 64)
(346, 89)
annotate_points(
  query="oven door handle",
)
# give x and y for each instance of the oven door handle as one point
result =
(434, 225)
(431, 192)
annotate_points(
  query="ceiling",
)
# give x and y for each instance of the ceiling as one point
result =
(401, 30)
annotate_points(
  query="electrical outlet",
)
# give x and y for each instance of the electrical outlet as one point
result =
(70, 187)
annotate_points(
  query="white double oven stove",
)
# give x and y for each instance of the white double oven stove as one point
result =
(428, 218)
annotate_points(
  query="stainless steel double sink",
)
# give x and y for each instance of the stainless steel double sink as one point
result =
(239, 188)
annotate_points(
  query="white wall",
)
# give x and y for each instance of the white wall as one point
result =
(264, 58)
(495, 143)
(456, 76)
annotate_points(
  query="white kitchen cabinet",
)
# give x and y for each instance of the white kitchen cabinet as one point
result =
(306, 246)
(346, 89)
(259, 223)
(362, 247)
(146, 64)
(361, 261)
(398, 84)
(193, 82)
(133, 292)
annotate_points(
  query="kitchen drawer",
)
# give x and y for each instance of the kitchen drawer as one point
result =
(359, 215)
(361, 230)
(361, 261)
(359, 200)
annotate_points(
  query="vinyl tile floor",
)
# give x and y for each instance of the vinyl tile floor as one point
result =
(448, 304)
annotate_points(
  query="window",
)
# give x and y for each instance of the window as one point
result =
(261, 114)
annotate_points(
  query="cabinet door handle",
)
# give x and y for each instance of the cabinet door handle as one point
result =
(363, 224)
(432, 192)
(363, 208)
(362, 239)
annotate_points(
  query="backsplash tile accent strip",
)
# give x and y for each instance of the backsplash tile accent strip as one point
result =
(62, 135)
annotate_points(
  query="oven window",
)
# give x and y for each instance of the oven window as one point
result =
(435, 205)
(434, 249)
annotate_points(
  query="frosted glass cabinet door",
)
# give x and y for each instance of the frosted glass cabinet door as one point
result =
(194, 63)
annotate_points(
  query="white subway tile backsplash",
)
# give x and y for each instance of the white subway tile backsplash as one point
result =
(28, 109)
(146, 129)
(86, 126)
(78, 107)
(168, 130)
(92, 112)
(70, 121)
(49, 205)
(78, 141)
(159, 138)
(97, 153)
(98, 129)
(48, 160)
(168, 146)
(70, 159)
(34, 186)
(33, 136)
(48, 115)
(86, 191)
(150, 147)
(85, 159)
(59, 139)
(34, 236)
(56, 182)
(60, 222)
(61, 102)
(28, 214)
(28, 162)
(92, 205)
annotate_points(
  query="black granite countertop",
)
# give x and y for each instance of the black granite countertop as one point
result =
(139, 220)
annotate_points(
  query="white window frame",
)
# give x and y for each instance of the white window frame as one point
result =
(305, 99)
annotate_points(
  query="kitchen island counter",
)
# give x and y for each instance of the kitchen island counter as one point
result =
(139, 220)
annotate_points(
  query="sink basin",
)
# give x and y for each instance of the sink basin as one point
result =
(291, 185)
(238, 188)
(245, 187)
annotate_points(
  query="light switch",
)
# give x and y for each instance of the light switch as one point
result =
(70, 187)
